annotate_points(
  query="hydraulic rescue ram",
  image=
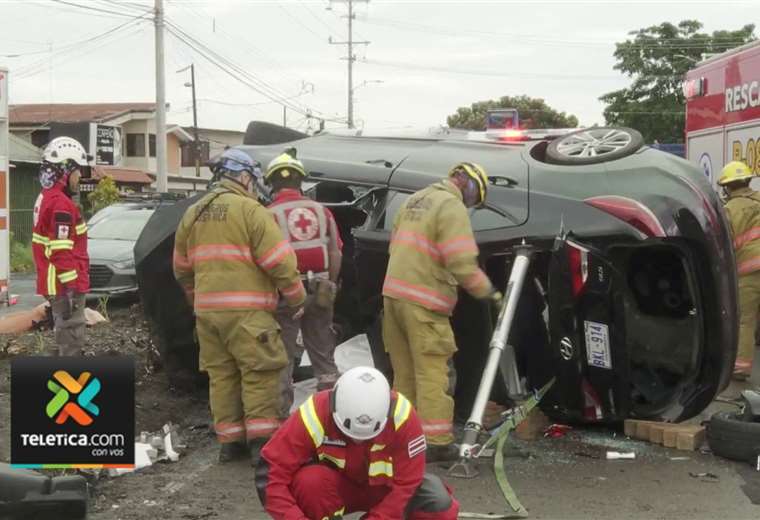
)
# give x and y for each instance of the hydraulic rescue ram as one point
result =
(469, 448)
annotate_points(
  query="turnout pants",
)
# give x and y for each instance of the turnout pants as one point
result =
(243, 354)
(749, 306)
(420, 343)
(69, 333)
(318, 340)
(322, 493)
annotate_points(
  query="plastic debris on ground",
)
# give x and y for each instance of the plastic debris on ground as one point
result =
(154, 447)
(556, 431)
(617, 455)
(351, 353)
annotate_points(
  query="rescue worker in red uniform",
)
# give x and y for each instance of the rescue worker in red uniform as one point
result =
(357, 447)
(59, 243)
(314, 236)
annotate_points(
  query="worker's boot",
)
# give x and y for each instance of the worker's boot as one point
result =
(230, 451)
(442, 453)
(254, 449)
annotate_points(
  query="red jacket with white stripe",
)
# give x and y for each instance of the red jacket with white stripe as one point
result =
(310, 228)
(394, 459)
(230, 255)
(59, 244)
(433, 250)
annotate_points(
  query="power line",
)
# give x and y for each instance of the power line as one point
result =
(238, 73)
(42, 65)
(92, 8)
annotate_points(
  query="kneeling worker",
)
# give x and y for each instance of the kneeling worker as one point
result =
(357, 447)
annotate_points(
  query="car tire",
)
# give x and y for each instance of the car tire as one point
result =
(606, 143)
(733, 438)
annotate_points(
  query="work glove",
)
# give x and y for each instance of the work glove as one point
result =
(496, 299)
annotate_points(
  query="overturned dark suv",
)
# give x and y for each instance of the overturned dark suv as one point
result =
(630, 300)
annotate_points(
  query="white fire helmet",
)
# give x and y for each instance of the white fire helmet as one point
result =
(360, 403)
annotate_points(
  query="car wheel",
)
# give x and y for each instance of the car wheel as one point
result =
(733, 438)
(594, 146)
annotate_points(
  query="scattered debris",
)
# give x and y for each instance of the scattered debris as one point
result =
(93, 317)
(680, 458)
(617, 455)
(24, 321)
(556, 431)
(150, 448)
(706, 475)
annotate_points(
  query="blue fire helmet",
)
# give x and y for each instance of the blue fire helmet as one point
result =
(234, 162)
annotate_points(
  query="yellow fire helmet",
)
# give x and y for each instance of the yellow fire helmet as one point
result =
(286, 165)
(479, 179)
(733, 172)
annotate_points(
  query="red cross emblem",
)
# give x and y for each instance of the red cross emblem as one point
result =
(303, 224)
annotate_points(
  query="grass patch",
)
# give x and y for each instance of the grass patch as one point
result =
(22, 260)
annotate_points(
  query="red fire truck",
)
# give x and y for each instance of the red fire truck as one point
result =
(723, 110)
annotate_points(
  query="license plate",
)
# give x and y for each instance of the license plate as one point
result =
(598, 345)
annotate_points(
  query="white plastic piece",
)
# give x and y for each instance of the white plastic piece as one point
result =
(617, 455)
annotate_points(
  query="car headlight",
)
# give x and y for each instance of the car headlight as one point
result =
(125, 264)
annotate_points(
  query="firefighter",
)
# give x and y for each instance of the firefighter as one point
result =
(432, 251)
(231, 259)
(357, 447)
(311, 230)
(743, 210)
(59, 243)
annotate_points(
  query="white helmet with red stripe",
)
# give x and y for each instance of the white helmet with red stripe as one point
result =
(360, 403)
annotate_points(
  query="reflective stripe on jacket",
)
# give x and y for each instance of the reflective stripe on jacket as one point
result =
(59, 244)
(395, 458)
(229, 254)
(310, 228)
(433, 250)
(743, 211)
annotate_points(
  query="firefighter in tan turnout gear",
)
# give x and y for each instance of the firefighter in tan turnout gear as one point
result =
(232, 259)
(314, 236)
(432, 251)
(743, 210)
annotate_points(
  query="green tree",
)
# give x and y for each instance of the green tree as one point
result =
(656, 58)
(534, 113)
(104, 194)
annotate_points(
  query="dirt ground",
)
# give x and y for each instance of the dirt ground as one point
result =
(554, 478)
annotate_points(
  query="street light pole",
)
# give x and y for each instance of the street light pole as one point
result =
(162, 184)
(196, 140)
(195, 125)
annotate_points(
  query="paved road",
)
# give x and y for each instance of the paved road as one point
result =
(24, 286)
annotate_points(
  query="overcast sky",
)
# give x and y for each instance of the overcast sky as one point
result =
(431, 56)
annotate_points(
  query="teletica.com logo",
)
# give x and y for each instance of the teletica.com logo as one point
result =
(73, 398)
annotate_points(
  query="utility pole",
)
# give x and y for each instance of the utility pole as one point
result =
(284, 116)
(350, 57)
(195, 125)
(162, 184)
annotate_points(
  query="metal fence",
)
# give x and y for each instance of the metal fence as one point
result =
(24, 188)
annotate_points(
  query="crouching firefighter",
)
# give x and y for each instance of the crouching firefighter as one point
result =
(357, 447)
(432, 251)
(59, 242)
(231, 259)
(314, 236)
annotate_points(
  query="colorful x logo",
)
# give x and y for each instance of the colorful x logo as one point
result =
(85, 389)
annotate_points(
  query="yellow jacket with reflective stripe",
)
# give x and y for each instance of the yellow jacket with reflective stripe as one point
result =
(433, 251)
(229, 254)
(743, 211)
